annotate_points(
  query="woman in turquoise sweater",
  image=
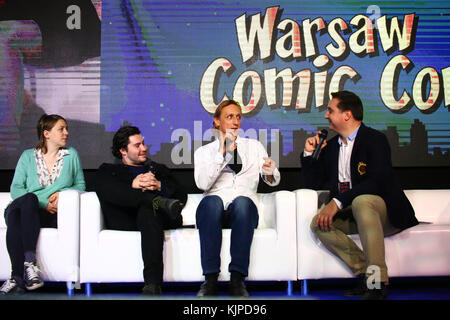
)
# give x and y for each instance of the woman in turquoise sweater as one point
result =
(40, 175)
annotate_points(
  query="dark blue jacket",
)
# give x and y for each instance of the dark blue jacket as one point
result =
(371, 173)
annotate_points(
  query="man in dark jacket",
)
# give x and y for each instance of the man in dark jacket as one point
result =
(365, 197)
(140, 195)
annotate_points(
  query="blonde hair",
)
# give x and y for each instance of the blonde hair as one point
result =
(222, 105)
(46, 122)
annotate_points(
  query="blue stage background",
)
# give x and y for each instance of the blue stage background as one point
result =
(155, 53)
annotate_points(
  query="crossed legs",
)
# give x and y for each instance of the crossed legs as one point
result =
(367, 216)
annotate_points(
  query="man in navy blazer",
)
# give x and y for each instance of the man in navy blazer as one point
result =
(365, 197)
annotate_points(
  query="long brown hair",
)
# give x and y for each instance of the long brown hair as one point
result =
(46, 122)
(222, 105)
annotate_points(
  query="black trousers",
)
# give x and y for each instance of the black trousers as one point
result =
(151, 225)
(24, 220)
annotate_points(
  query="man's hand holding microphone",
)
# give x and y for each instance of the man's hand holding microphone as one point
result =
(315, 144)
(228, 142)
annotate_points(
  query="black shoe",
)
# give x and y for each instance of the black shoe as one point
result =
(209, 287)
(376, 294)
(238, 289)
(237, 285)
(151, 290)
(172, 207)
(360, 288)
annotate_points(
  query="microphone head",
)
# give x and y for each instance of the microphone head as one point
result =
(323, 133)
(228, 141)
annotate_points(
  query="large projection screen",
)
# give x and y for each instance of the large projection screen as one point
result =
(164, 66)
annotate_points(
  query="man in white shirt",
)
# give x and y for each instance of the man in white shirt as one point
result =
(365, 196)
(228, 170)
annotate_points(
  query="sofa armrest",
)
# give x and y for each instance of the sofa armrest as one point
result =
(275, 240)
(285, 214)
(91, 224)
(307, 245)
(68, 236)
(91, 217)
(286, 231)
(69, 216)
(307, 201)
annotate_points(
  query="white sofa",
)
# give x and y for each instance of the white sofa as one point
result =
(57, 248)
(422, 250)
(115, 256)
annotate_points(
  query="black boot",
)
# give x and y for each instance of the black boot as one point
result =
(209, 287)
(237, 285)
(359, 289)
(151, 290)
(172, 207)
(376, 294)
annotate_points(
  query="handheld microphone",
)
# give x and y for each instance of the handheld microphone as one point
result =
(227, 142)
(323, 136)
(151, 169)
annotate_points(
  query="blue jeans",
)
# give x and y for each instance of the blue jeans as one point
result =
(241, 216)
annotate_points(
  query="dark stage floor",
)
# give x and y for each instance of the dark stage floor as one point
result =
(427, 288)
(268, 300)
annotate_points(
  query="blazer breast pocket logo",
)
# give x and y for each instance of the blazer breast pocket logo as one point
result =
(362, 168)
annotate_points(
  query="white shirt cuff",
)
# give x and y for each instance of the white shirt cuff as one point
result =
(306, 153)
(338, 203)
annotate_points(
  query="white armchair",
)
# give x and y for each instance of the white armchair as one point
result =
(417, 251)
(57, 248)
(115, 256)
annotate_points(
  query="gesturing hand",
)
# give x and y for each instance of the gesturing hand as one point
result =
(268, 166)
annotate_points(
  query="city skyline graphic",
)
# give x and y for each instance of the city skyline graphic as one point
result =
(402, 153)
